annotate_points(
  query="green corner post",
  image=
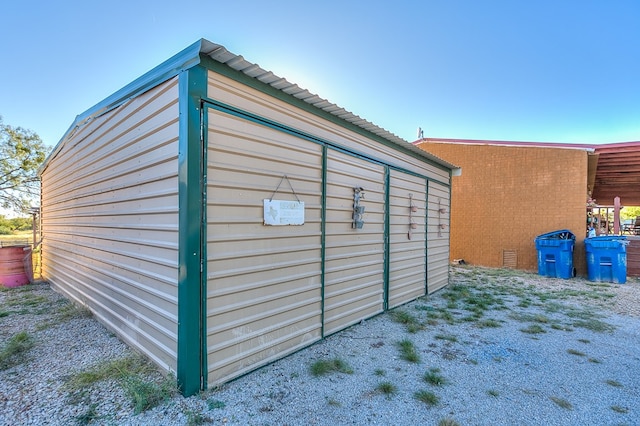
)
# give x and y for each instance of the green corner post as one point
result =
(191, 356)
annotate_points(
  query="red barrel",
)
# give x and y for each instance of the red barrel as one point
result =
(14, 262)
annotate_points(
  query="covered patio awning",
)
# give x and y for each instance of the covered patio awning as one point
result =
(614, 171)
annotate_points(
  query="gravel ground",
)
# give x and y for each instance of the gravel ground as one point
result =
(575, 363)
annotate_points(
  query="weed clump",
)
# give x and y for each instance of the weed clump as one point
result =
(336, 365)
(533, 329)
(448, 422)
(433, 377)
(12, 353)
(146, 395)
(386, 388)
(408, 351)
(561, 402)
(429, 398)
(128, 372)
(410, 322)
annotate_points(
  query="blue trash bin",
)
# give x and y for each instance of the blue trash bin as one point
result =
(607, 258)
(555, 254)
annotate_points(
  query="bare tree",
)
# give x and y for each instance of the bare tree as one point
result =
(21, 154)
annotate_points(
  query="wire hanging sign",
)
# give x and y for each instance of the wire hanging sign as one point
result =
(283, 212)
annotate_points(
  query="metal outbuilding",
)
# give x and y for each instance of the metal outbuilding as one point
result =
(218, 217)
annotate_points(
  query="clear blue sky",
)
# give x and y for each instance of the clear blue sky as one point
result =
(548, 71)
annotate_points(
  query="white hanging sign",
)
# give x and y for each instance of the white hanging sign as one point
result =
(280, 212)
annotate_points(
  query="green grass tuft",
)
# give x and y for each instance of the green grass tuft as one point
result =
(334, 402)
(195, 418)
(429, 398)
(410, 322)
(594, 325)
(561, 402)
(116, 369)
(408, 351)
(533, 329)
(447, 337)
(433, 377)
(561, 327)
(127, 372)
(386, 388)
(13, 351)
(89, 415)
(336, 365)
(619, 409)
(146, 395)
(488, 323)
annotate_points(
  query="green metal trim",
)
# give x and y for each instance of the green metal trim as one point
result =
(387, 234)
(426, 238)
(323, 236)
(192, 86)
(412, 173)
(203, 241)
(227, 71)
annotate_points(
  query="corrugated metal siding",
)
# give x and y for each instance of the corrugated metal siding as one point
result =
(264, 282)
(407, 246)
(438, 237)
(354, 265)
(265, 295)
(235, 93)
(110, 215)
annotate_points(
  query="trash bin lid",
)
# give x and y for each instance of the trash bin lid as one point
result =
(561, 234)
(607, 241)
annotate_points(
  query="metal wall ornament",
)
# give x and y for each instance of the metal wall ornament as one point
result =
(441, 211)
(358, 210)
(412, 209)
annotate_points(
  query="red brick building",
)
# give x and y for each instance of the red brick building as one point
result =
(511, 192)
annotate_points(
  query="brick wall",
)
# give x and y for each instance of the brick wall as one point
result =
(508, 195)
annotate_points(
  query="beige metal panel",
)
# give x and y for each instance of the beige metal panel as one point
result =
(110, 220)
(407, 245)
(438, 237)
(354, 259)
(221, 54)
(263, 282)
(237, 94)
(105, 137)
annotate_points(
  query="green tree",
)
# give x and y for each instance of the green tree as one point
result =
(21, 154)
(630, 212)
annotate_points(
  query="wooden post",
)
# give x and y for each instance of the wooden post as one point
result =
(616, 216)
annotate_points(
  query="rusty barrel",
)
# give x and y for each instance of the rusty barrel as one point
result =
(15, 265)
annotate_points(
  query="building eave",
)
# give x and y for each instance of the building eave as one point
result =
(192, 56)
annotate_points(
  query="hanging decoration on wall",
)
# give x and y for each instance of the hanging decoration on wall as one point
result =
(412, 209)
(441, 211)
(283, 212)
(358, 210)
